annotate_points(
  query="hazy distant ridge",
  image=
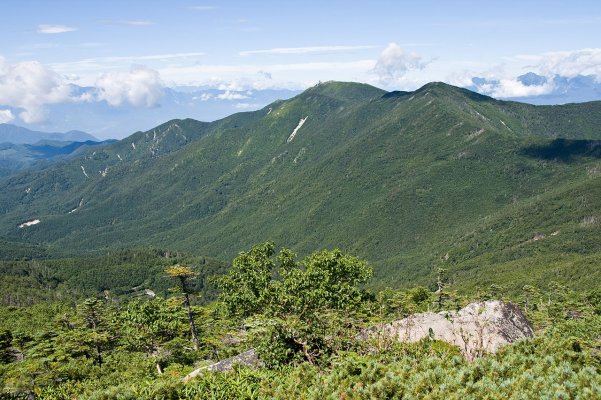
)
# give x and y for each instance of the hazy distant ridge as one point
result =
(18, 135)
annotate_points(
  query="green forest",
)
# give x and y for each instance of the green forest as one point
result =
(152, 262)
(320, 200)
(85, 328)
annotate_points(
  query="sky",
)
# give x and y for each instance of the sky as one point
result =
(125, 53)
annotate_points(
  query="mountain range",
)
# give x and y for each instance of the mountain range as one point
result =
(15, 157)
(19, 135)
(411, 181)
(108, 121)
(22, 148)
(556, 89)
(211, 103)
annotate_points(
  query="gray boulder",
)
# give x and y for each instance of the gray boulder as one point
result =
(248, 358)
(479, 328)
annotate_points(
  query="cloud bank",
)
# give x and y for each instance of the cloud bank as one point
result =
(513, 87)
(140, 87)
(29, 86)
(543, 71)
(571, 63)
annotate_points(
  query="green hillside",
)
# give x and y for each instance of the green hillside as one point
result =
(16, 157)
(408, 180)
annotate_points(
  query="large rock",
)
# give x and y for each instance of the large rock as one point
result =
(248, 358)
(479, 328)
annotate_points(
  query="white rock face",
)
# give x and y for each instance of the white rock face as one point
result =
(30, 223)
(300, 124)
(478, 328)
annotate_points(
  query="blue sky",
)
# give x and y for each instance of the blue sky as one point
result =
(128, 51)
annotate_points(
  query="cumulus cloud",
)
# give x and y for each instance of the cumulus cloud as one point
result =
(509, 87)
(29, 86)
(6, 116)
(394, 63)
(52, 29)
(203, 97)
(571, 63)
(230, 95)
(140, 87)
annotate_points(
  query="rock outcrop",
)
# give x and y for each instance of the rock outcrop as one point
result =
(479, 328)
(248, 358)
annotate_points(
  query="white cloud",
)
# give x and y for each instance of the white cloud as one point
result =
(498, 82)
(115, 59)
(571, 63)
(29, 86)
(283, 76)
(304, 50)
(51, 29)
(203, 97)
(88, 69)
(265, 75)
(140, 87)
(508, 87)
(230, 95)
(138, 22)
(463, 79)
(203, 8)
(394, 63)
(6, 116)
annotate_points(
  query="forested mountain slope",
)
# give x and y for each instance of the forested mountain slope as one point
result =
(407, 180)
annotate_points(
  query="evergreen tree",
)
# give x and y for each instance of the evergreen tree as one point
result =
(183, 274)
(6, 353)
(441, 284)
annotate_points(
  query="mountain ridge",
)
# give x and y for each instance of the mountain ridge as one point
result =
(10, 133)
(399, 179)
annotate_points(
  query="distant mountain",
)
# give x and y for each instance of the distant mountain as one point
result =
(495, 191)
(16, 157)
(200, 103)
(18, 135)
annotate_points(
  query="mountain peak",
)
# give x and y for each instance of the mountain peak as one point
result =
(532, 79)
(444, 89)
(345, 91)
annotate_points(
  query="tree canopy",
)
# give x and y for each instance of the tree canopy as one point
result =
(294, 304)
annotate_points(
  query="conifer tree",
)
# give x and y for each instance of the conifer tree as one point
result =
(6, 339)
(441, 284)
(183, 274)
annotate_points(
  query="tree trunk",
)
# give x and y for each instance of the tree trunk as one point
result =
(98, 356)
(191, 321)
